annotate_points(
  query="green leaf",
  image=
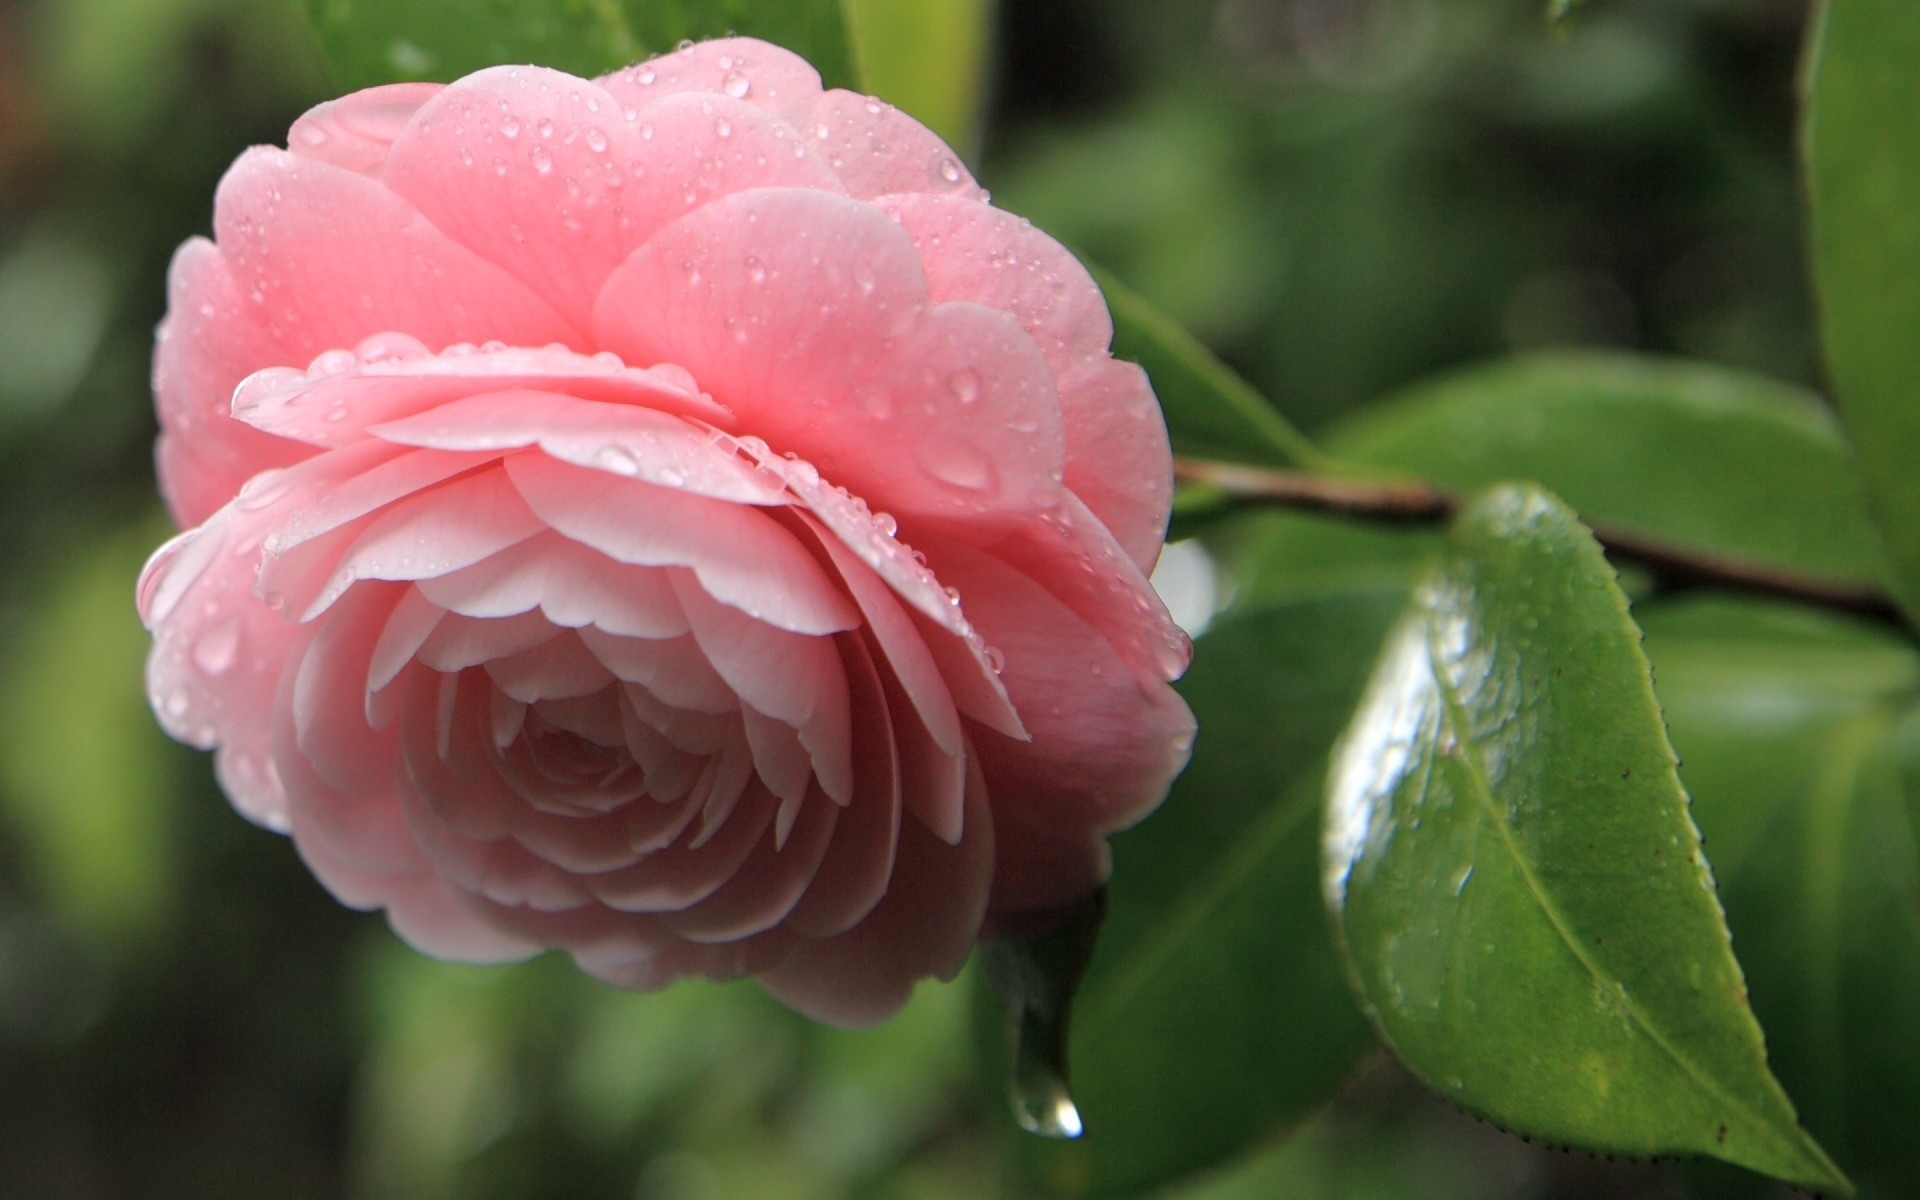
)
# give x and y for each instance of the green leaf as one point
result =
(1793, 739)
(1214, 1012)
(368, 42)
(1697, 454)
(1862, 158)
(929, 57)
(1211, 412)
(1521, 894)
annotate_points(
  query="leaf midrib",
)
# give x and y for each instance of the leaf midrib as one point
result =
(1476, 773)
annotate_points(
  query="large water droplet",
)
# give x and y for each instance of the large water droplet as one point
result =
(946, 169)
(1036, 977)
(217, 648)
(959, 463)
(618, 459)
(965, 385)
(736, 85)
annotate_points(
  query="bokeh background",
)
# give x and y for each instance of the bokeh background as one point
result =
(1338, 195)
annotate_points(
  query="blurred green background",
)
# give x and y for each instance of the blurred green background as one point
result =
(1338, 195)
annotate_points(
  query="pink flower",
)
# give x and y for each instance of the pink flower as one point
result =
(672, 517)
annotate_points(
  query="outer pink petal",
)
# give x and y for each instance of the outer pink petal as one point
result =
(579, 184)
(1118, 457)
(1106, 745)
(806, 315)
(356, 131)
(327, 258)
(878, 150)
(218, 654)
(208, 343)
(1079, 561)
(757, 72)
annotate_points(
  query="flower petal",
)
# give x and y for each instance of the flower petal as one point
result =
(327, 258)
(356, 131)
(742, 557)
(806, 315)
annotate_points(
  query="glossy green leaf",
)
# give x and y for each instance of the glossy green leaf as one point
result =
(368, 42)
(1862, 152)
(1520, 891)
(1214, 1013)
(1793, 742)
(929, 57)
(1698, 454)
(1211, 412)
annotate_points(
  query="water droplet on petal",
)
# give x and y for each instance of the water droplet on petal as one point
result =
(596, 141)
(545, 127)
(965, 385)
(960, 464)
(647, 76)
(736, 85)
(217, 648)
(618, 459)
(723, 128)
(542, 161)
(177, 703)
(756, 270)
(333, 362)
(946, 168)
(996, 661)
(509, 128)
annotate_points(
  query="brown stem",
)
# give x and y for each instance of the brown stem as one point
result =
(1673, 567)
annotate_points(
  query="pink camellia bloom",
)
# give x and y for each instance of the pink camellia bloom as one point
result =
(672, 517)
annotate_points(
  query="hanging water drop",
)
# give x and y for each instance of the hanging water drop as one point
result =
(1036, 978)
